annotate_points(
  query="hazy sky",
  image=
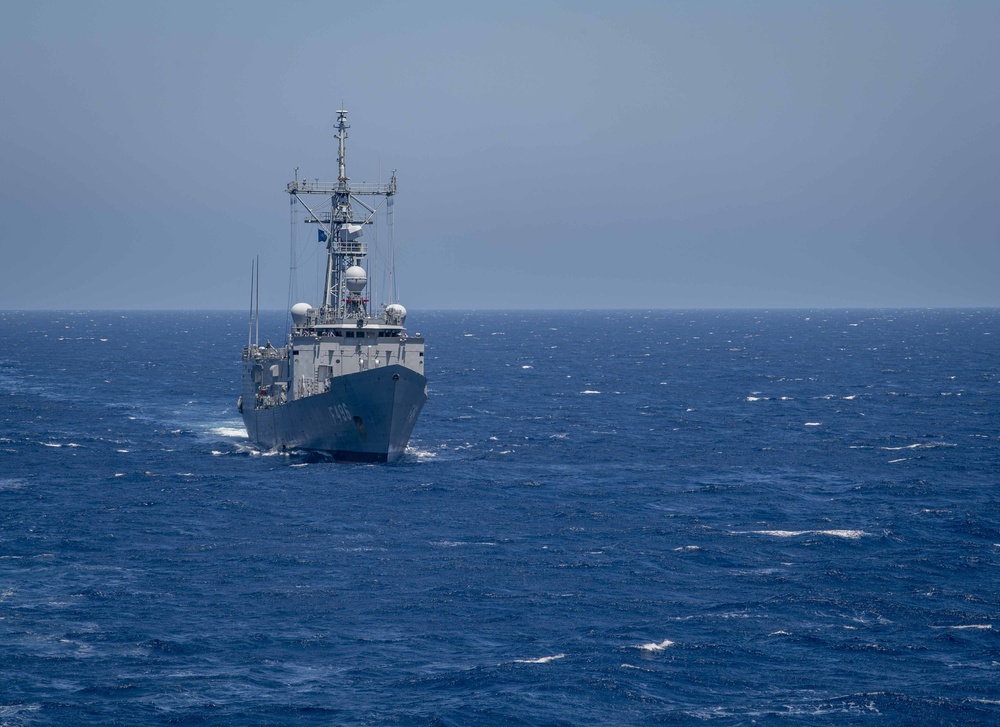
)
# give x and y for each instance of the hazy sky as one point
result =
(549, 154)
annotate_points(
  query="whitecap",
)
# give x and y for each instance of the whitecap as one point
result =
(962, 627)
(849, 534)
(236, 432)
(542, 660)
(813, 424)
(755, 398)
(894, 461)
(661, 646)
(527, 367)
(590, 391)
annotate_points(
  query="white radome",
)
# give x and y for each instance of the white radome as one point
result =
(395, 313)
(356, 278)
(299, 313)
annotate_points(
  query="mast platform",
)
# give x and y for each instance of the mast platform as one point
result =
(316, 187)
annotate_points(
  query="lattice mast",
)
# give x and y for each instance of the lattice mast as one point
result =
(346, 278)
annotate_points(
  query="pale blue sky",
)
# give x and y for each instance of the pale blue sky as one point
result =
(550, 154)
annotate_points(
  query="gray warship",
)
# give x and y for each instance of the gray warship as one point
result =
(350, 380)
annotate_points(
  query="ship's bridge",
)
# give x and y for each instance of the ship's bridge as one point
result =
(346, 330)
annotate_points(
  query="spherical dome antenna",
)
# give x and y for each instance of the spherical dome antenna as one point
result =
(395, 313)
(300, 311)
(356, 278)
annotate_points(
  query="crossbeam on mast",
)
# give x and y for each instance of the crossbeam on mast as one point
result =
(302, 186)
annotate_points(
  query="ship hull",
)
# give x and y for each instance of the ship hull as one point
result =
(366, 416)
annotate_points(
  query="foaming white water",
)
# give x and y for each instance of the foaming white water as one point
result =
(235, 432)
(962, 627)
(920, 445)
(420, 454)
(661, 646)
(542, 660)
(590, 391)
(813, 424)
(849, 534)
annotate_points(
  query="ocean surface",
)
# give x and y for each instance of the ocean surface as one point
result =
(604, 518)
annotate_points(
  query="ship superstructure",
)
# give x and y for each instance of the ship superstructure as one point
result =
(349, 381)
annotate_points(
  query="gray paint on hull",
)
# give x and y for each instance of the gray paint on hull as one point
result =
(366, 416)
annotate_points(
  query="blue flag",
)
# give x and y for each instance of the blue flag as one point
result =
(322, 235)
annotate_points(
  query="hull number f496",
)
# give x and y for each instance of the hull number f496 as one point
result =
(339, 413)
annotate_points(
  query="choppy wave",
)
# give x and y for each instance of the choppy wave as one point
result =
(233, 432)
(540, 660)
(849, 534)
(655, 646)
(961, 627)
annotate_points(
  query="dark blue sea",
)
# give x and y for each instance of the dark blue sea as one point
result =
(604, 518)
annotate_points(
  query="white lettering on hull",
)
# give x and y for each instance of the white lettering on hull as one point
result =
(339, 413)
